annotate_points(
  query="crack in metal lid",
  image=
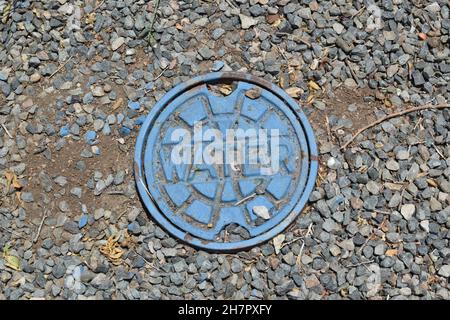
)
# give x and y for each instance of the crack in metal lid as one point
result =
(229, 206)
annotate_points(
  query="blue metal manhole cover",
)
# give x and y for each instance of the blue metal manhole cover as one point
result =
(225, 161)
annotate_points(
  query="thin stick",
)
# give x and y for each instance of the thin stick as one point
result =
(299, 257)
(282, 53)
(231, 4)
(357, 13)
(116, 192)
(328, 128)
(379, 211)
(296, 38)
(151, 265)
(359, 264)
(364, 244)
(7, 132)
(62, 66)
(310, 230)
(98, 6)
(308, 233)
(438, 151)
(352, 71)
(291, 242)
(44, 216)
(245, 199)
(120, 215)
(393, 115)
(418, 123)
(160, 75)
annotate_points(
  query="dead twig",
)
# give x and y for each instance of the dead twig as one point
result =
(7, 132)
(299, 257)
(292, 241)
(38, 233)
(296, 38)
(439, 151)
(151, 265)
(160, 75)
(347, 63)
(116, 192)
(98, 6)
(307, 234)
(61, 66)
(231, 4)
(418, 123)
(359, 264)
(357, 13)
(282, 53)
(381, 211)
(245, 199)
(394, 115)
(121, 215)
(328, 128)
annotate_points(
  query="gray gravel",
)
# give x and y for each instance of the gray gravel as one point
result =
(76, 83)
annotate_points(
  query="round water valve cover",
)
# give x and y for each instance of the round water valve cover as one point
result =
(225, 161)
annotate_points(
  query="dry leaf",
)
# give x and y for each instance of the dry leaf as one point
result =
(90, 19)
(384, 226)
(422, 174)
(6, 12)
(314, 86)
(284, 81)
(294, 92)
(12, 179)
(16, 184)
(226, 89)
(19, 197)
(394, 186)
(276, 23)
(387, 103)
(117, 104)
(410, 68)
(112, 250)
(310, 99)
(11, 261)
(432, 183)
(272, 18)
(391, 252)
(9, 178)
(278, 242)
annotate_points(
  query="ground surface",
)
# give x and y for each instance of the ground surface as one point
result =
(378, 219)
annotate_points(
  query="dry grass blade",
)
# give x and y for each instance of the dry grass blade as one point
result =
(62, 66)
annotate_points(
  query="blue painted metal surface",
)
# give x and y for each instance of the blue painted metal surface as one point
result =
(195, 203)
